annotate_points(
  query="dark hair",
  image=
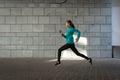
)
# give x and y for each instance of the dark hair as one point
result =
(71, 23)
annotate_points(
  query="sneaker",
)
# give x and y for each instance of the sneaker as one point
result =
(57, 63)
(90, 61)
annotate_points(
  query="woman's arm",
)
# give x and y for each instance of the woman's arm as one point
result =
(78, 33)
(62, 34)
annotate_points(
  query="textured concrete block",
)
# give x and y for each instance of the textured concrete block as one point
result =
(83, 11)
(49, 28)
(106, 11)
(38, 11)
(106, 53)
(16, 11)
(38, 40)
(32, 34)
(10, 20)
(78, 19)
(65, 18)
(61, 11)
(4, 11)
(27, 28)
(106, 41)
(89, 20)
(50, 53)
(94, 41)
(4, 40)
(60, 41)
(106, 28)
(71, 11)
(4, 53)
(44, 20)
(49, 40)
(21, 41)
(49, 11)
(4, 28)
(27, 11)
(33, 20)
(38, 53)
(54, 20)
(109, 20)
(95, 28)
(95, 11)
(21, 53)
(2, 19)
(83, 28)
(38, 28)
(2, 5)
(60, 27)
(19, 34)
(100, 20)
(22, 20)
(94, 53)
(16, 28)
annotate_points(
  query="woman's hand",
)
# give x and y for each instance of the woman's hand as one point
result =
(77, 39)
(60, 32)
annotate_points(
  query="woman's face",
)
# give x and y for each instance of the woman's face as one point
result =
(67, 24)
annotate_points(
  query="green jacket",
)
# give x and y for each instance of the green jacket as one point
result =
(69, 35)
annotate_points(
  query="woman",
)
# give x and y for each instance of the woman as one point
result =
(70, 42)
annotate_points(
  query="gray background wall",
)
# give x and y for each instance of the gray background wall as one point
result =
(29, 28)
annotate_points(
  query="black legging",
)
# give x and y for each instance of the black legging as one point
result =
(72, 47)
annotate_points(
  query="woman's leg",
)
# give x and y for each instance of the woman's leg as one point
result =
(77, 53)
(64, 47)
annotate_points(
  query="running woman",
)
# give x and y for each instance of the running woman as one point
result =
(70, 42)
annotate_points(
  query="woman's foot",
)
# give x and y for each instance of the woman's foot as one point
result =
(57, 63)
(90, 60)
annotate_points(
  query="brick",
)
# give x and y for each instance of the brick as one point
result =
(65, 18)
(106, 11)
(4, 40)
(44, 20)
(106, 41)
(100, 20)
(94, 53)
(109, 20)
(27, 28)
(49, 11)
(49, 40)
(95, 28)
(26, 11)
(61, 11)
(4, 53)
(16, 11)
(10, 20)
(38, 53)
(2, 19)
(4, 28)
(83, 28)
(38, 11)
(71, 11)
(106, 53)
(50, 53)
(94, 41)
(33, 20)
(4, 11)
(95, 11)
(83, 11)
(78, 20)
(54, 20)
(38, 40)
(49, 28)
(16, 28)
(106, 28)
(89, 20)
(22, 20)
(21, 53)
(38, 28)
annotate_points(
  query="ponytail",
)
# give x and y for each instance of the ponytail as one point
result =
(71, 23)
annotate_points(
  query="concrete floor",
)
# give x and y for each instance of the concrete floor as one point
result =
(44, 69)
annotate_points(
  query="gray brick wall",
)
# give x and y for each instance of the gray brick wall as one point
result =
(29, 28)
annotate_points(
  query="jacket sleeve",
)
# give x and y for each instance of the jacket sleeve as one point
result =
(63, 35)
(78, 33)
